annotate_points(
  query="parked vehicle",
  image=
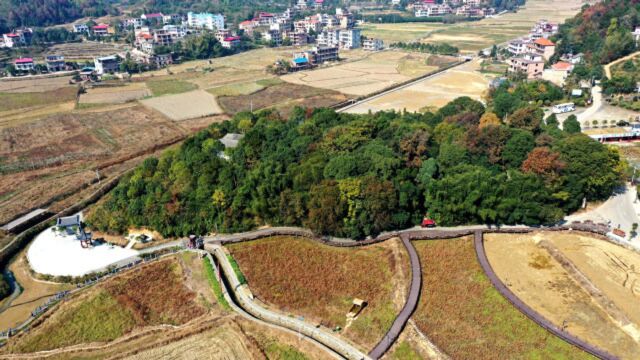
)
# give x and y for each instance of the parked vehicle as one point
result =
(564, 108)
(428, 223)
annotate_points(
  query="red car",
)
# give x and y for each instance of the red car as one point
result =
(428, 223)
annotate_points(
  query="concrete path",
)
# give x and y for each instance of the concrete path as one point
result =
(246, 301)
(587, 115)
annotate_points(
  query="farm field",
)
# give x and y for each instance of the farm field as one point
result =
(21, 100)
(282, 97)
(35, 85)
(62, 151)
(433, 92)
(476, 35)
(117, 94)
(542, 282)
(302, 277)
(467, 318)
(184, 106)
(367, 75)
(84, 51)
(159, 293)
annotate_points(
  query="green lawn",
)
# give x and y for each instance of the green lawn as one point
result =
(166, 87)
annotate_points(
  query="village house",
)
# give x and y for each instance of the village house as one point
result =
(543, 29)
(544, 47)
(636, 35)
(434, 10)
(372, 45)
(518, 46)
(573, 59)
(102, 30)
(297, 38)
(106, 64)
(530, 64)
(19, 37)
(230, 42)
(153, 17)
(55, 63)
(350, 39)
(80, 29)
(24, 64)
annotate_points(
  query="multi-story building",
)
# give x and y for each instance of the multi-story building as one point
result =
(530, 64)
(301, 5)
(350, 39)
(274, 36)
(153, 17)
(106, 64)
(329, 38)
(265, 18)
(24, 64)
(55, 63)
(163, 37)
(205, 20)
(544, 47)
(319, 54)
(134, 22)
(543, 29)
(518, 46)
(297, 38)
(248, 26)
(372, 44)
(18, 37)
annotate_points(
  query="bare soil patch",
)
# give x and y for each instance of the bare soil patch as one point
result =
(86, 50)
(467, 318)
(282, 97)
(303, 277)
(35, 85)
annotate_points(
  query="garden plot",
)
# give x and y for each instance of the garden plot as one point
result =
(58, 254)
(370, 74)
(115, 94)
(543, 283)
(189, 105)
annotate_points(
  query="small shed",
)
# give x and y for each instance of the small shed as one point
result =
(231, 140)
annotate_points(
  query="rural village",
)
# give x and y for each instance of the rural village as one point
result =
(320, 179)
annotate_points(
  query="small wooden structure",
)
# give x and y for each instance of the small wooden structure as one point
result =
(356, 308)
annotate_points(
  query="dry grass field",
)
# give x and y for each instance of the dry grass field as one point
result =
(436, 91)
(35, 85)
(188, 105)
(370, 74)
(117, 94)
(541, 282)
(156, 294)
(467, 318)
(282, 97)
(319, 282)
(21, 100)
(42, 160)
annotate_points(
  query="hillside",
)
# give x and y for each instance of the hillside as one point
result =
(601, 31)
(358, 175)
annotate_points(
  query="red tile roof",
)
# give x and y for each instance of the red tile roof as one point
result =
(561, 66)
(24, 60)
(153, 15)
(544, 42)
(12, 35)
(101, 27)
(232, 38)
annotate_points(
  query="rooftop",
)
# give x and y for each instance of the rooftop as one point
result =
(231, 140)
(544, 42)
(24, 60)
(561, 66)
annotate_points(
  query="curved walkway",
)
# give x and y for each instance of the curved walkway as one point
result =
(478, 241)
(246, 301)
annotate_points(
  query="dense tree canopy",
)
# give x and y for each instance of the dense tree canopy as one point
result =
(358, 175)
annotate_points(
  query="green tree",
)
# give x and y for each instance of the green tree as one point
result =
(571, 125)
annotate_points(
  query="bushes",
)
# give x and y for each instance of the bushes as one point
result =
(236, 270)
(215, 285)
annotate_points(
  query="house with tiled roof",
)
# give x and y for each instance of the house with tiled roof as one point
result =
(544, 47)
(24, 64)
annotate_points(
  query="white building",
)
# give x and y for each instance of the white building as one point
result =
(518, 46)
(434, 10)
(328, 38)
(205, 20)
(350, 39)
(80, 28)
(24, 64)
(373, 45)
(636, 34)
(106, 64)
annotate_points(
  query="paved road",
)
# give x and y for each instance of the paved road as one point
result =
(322, 336)
(587, 115)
